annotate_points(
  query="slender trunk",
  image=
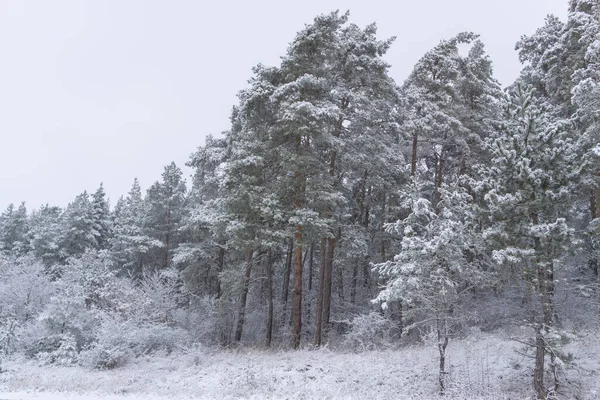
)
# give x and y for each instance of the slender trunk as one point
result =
(353, 282)
(243, 298)
(597, 203)
(299, 187)
(396, 311)
(363, 196)
(439, 174)
(366, 274)
(286, 275)
(368, 207)
(340, 283)
(383, 210)
(328, 282)
(167, 239)
(140, 271)
(442, 344)
(220, 264)
(310, 267)
(320, 290)
(297, 290)
(269, 298)
(544, 321)
(328, 273)
(310, 279)
(594, 213)
(413, 160)
(538, 372)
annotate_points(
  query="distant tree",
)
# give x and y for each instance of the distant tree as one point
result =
(164, 204)
(129, 244)
(101, 215)
(45, 234)
(14, 230)
(78, 232)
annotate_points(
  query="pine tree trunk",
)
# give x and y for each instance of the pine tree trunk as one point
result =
(367, 275)
(220, 264)
(383, 210)
(413, 160)
(328, 278)
(594, 213)
(269, 298)
(353, 282)
(286, 275)
(328, 282)
(442, 344)
(538, 372)
(243, 298)
(439, 174)
(310, 267)
(297, 290)
(320, 290)
(396, 311)
(597, 203)
(340, 283)
(167, 239)
(310, 278)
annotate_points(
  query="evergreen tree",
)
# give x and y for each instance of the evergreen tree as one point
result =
(101, 214)
(437, 262)
(164, 205)
(45, 234)
(201, 254)
(530, 181)
(14, 230)
(78, 232)
(129, 244)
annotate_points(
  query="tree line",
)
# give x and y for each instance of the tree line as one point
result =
(339, 193)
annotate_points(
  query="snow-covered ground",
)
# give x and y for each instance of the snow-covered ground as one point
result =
(484, 366)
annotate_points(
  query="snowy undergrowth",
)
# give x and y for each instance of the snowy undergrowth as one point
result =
(484, 366)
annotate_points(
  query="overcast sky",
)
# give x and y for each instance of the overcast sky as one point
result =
(108, 90)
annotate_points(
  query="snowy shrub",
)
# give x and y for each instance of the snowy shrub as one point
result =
(199, 319)
(24, 288)
(118, 341)
(65, 352)
(24, 292)
(368, 331)
(66, 313)
(8, 336)
(158, 296)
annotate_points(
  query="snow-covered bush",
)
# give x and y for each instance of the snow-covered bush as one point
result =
(24, 292)
(64, 354)
(368, 332)
(199, 319)
(24, 288)
(117, 341)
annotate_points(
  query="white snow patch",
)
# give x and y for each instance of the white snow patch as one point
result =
(483, 366)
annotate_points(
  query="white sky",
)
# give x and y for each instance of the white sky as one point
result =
(108, 90)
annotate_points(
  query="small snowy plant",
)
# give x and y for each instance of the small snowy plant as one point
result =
(368, 332)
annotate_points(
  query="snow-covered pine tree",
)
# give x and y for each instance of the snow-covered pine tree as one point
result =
(77, 227)
(164, 209)
(436, 264)
(529, 184)
(201, 254)
(14, 230)
(101, 213)
(45, 234)
(129, 244)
